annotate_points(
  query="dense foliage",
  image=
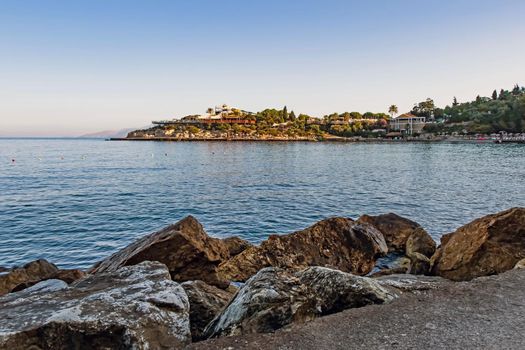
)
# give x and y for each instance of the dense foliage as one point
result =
(503, 111)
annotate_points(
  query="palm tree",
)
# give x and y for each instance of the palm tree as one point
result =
(392, 110)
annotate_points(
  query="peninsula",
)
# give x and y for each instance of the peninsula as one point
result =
(498, 118)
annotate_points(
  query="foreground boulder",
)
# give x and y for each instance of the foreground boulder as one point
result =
(397, 230)
(20, 278)
(488, 245)
(206, 302)
(137, 307)
(185, 248)
(275, 297)
(336, 242)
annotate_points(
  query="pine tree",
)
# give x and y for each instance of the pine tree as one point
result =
(285, 114)
(494, 95)
(455, 101)
(292, 116)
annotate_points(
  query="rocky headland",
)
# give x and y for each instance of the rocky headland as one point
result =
(326, 286)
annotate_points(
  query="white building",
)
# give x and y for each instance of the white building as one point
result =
(407, 124)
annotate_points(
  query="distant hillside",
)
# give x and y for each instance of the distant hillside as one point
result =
(108, 133)
(503, 111)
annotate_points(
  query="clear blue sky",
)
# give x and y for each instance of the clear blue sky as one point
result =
(72, 67)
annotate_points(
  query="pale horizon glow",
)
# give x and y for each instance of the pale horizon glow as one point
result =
(72, 68)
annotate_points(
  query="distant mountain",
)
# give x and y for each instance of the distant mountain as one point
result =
(108, 133)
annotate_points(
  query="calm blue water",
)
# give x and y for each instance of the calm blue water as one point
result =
(74, 202)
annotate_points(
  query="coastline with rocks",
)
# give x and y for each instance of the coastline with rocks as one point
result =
(377, 281)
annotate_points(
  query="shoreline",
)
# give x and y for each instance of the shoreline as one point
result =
(332, 139)
(325, 281)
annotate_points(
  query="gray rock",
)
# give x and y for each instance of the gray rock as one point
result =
(206, 302)
(275, 297)
(137, 307)
(47, 286)
(411, 283)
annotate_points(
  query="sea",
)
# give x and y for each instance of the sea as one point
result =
(76, 201)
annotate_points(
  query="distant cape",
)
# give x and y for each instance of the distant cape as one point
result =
(108, 133)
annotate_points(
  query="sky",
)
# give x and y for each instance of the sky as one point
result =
(69, 68)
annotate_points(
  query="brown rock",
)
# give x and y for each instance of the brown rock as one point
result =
(336, 242)
(69, 276)
(485, 246)
(395, 228)
(420, 242)
(236, 245)
(184, 247)
(206, 302)
(29, 274)
(419, 264)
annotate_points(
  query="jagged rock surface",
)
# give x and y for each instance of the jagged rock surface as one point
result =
(206, 302)
(185, 248)
(486, 246)
(275, 297)
(336, 242)
(137, 307)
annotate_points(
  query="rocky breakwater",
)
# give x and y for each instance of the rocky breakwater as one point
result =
(133, 299)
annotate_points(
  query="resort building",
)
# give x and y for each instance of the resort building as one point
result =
(223, 114)
(407, 124)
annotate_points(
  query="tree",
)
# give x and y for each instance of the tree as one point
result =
(424, 109)
(193, 129)
(292, 116)
(392, 110)
(494, 95)
(455, 101)
(285, 114)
